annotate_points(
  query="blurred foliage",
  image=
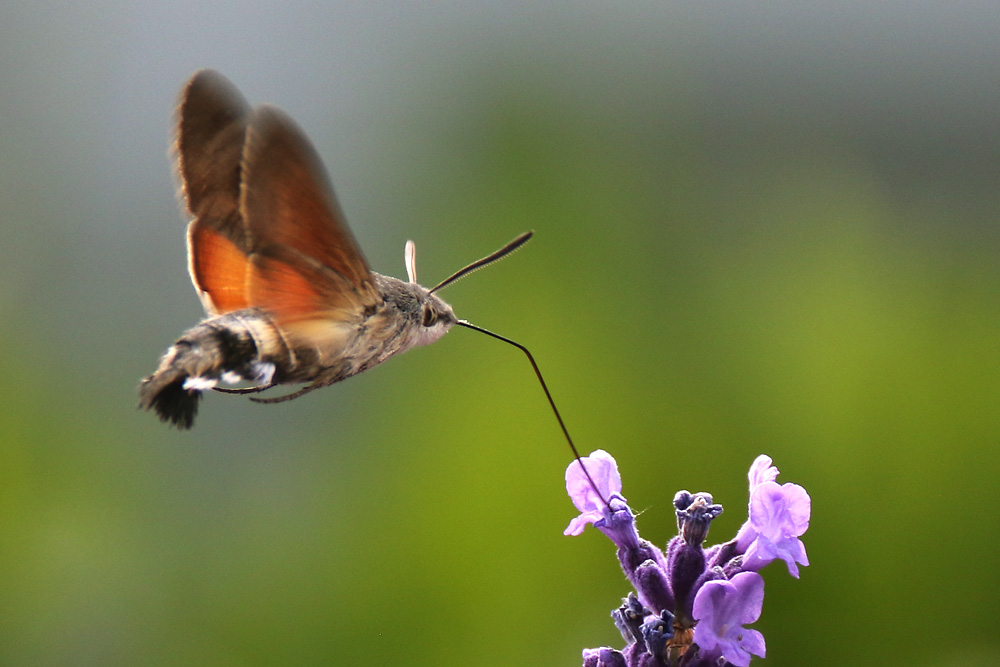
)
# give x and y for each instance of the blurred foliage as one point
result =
(710, 280)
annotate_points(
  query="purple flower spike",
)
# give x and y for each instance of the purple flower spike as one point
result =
(722, 608)
(691, 601)
(604, 471)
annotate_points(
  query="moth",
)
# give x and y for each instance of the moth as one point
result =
(288, 294)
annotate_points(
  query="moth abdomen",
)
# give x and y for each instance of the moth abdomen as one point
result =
(222, 348)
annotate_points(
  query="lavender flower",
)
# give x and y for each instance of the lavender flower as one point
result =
(604, 471)
(691, 603)
(778, 516)
(722, 607)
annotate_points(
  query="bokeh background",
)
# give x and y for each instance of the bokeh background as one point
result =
(761, 228)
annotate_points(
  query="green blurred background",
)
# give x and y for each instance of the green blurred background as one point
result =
(761, 228)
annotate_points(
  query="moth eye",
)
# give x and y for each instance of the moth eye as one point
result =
(430, 317)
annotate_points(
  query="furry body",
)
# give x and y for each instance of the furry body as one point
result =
(248, 346)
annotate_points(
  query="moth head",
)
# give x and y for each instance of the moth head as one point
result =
(436, 318)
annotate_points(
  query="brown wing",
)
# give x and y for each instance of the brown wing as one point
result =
(211, 133)
(305, 263)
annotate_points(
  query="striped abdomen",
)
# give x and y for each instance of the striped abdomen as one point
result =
(238, 346)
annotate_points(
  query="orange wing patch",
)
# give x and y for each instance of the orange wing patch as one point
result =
(292, 290)
(218, 269)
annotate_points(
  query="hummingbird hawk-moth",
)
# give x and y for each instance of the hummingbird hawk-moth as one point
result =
(289, 296)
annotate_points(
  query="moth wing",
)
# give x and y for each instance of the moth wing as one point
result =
(211, 133)
(304, 262)
(295, 287)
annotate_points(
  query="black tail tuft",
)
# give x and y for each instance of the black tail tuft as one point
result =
(172, 402)
(199, 358)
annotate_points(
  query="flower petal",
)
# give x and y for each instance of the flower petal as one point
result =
(751, 641)
(761, 471)
(577, 524)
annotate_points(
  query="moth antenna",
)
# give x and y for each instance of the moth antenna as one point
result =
(485, 261)
(538, 373)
